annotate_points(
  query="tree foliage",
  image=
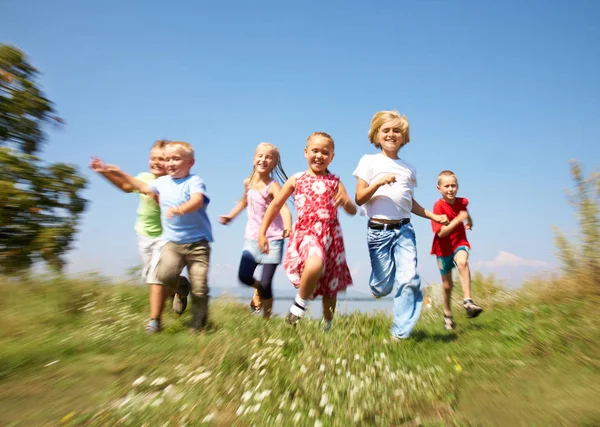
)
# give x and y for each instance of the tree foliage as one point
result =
(41, 204)
(581, 259)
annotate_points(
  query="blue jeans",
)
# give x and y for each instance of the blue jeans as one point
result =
(394, 263)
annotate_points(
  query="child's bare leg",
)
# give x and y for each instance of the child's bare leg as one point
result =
(447, 283)
(313, 270)
(267, 306)
(329, 304)
(158, 294)
(461, 259)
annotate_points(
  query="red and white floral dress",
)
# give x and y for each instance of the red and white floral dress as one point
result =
(317, 232)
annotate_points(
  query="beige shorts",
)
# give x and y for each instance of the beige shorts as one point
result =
(195, 256)
(150, 249)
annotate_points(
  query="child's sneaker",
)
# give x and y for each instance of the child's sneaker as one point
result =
(292, 319)
(327, 324)
(472, 309)
(153, 326)
(180, 298)
(449, 323)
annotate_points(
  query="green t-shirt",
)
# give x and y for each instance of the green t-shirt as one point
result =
(148, 212)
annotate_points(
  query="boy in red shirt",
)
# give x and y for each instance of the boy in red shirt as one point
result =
(451, 246)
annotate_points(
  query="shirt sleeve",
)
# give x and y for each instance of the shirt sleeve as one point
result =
(197, 186)
(436, 226)
(154, 185)
(364, 170)
(465, 202)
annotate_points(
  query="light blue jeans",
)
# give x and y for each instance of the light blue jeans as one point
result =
(394, 263)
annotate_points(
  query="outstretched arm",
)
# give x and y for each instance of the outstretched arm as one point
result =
(342, 199)
(237, 209)
(418, 210)
(98, 166)
(364, 191)
(272, 211)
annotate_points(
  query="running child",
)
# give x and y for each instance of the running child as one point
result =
(186, 228)
(385, 186)
(260, 188)
(450, 245)
(148, 226)
(315, 260)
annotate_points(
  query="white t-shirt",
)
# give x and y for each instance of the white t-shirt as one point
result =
(390, 201)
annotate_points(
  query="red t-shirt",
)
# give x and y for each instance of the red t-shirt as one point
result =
(458, 236)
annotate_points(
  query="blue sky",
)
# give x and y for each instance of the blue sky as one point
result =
(503, 93)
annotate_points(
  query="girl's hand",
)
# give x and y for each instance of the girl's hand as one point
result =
(468, 225)
(96, 164)
(341, 199)
(390, 178)
(263, 244)
(285, 233)
(225, 219)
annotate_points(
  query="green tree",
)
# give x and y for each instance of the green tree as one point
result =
(40, 203)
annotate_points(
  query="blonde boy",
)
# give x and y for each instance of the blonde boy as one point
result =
(450, 245)
(186, 227)
(385, 186)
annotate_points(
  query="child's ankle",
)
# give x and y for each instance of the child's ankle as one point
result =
(298, 308)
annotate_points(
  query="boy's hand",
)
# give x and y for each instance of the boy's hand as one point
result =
(441, 219)
(96, 164)
(390, 178)
(225, 219)
(469, 224)
(171, 212)
(263, 244)
(341, 199)
(285, 233)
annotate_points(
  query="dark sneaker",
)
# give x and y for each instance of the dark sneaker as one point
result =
(292, 319)
(199, 314)
(180, 299)
(255, 303)
(327, 324)
(449, 324)
(153, 326)
(472, 309)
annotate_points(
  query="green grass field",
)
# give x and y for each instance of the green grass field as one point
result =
(75, 353)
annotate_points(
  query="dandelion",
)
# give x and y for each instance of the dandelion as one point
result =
(139, 381)
(329, 410)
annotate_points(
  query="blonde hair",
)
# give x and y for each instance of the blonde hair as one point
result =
(185, 146)
(380, 118)
(323, 134)
(277, 173)
(446, 173)
(160, 143)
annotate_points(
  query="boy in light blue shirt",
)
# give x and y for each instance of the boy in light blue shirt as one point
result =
(186, 228)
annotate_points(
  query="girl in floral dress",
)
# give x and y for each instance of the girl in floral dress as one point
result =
(315, 260)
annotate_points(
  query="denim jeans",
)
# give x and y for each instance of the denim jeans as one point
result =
(394, 263)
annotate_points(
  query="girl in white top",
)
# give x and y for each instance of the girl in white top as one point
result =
(385, 189)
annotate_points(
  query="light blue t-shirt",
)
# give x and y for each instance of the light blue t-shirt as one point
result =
(191, 227)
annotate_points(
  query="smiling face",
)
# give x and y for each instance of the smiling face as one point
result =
(157, 162)
(265, 159)
(178, 161)
(390, 137)
(319, 153)
(448, 187)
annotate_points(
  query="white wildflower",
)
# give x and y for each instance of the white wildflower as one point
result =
(139, 381)
(256, 408)
(209, 418)
(329, 410)
(312, 413)
(356, 357)
(158, 402)
(279, 418)
(246, 396)
(324, 400)
(159, 381)
(318, 423)
(297, 417)
(303, 369)
(260, 397)
(240, 410)
(322, 367)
